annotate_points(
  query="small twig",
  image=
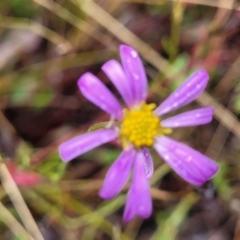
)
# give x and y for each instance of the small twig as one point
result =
(19, 203)
(228, 80)
(212, 3)
(39, 29)
(123, 33)
(15, 227)
(80, 24)
(228, 119)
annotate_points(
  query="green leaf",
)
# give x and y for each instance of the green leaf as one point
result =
(105, 156)
(52, 168)
(169, 223)
(23, 88)
(222, 185)
(42, 99)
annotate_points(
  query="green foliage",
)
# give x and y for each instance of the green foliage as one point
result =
(160, 10)
(169, 222)
(42, 99)
(236, 100)
(23, 153)
(52, 168)
(18, 238)
(23, 88)
(20, 8)
(221, 183)
(175, 68)
(27, 90)
(102, 155)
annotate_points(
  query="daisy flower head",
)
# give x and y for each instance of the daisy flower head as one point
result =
(140, 126)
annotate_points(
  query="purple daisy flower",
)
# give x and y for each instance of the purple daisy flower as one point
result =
(140, 126)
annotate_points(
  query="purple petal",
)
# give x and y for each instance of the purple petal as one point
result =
(114, 71)
(190, 118)
(96, 92)
(118, 174)
(139, 200)
(148, 163)
(191, 165)
(135, 72)
(186, 93)
(81, 144)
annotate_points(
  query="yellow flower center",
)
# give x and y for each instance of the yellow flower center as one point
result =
(140, 126)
